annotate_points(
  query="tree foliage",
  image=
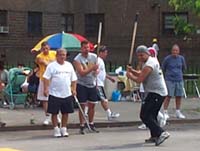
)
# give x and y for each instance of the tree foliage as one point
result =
(183, 5)
(181, 26)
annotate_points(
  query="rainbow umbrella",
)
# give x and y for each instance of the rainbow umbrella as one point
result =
(69, 41)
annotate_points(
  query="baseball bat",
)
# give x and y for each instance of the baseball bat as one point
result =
(99, 38)
(133, 39)
(81, 110)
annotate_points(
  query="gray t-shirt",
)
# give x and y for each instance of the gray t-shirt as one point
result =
(89, 79)
(155, 81)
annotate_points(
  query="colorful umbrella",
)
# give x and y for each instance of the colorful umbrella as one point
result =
(72, 42)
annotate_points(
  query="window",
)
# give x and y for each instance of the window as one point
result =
(168, 24)
(35, 23)
(3, 18)
(92, 24)
(67, 23)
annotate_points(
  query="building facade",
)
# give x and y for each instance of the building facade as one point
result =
(24, 22)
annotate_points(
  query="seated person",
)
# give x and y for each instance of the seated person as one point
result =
(31, 84)
(3, 82)
(32, 81)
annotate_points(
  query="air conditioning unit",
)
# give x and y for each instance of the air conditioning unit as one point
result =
(4, 29)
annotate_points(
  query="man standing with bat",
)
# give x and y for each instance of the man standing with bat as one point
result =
(155, 88)
(86, 68)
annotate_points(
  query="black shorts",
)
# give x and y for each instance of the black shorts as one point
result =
(85, 94)
(101, 93)
(65, 105)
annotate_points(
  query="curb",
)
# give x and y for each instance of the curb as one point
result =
(98, 125)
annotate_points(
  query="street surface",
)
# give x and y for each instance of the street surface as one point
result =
(184, 137)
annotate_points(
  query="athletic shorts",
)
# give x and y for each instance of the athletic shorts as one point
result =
(85, 94)
(175, 88)
(40, 94)
(101, 94)
(65, 105)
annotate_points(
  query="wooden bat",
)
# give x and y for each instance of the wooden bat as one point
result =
(99, 38)
(98, 44)
(133, 39)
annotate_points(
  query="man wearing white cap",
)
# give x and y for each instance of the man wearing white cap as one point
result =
(155, 91)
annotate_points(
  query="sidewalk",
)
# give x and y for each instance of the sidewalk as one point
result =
(19, 118)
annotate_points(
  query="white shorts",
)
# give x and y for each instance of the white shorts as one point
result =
(40, 94)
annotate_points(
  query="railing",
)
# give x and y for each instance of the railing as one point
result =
(189, 85)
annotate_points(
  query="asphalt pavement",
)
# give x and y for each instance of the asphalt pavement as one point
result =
(20, 117)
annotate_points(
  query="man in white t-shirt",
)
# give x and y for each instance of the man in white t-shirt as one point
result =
(60, 84)
(101, 76)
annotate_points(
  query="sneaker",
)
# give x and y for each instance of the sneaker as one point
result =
(162, 122)
(47, 121)
(2, 124)
(82, 130)
(93, 128)
(151, 140)
(180, 115)
(57, 132)
(64, 132)
(113, 115)
(162, 138)
(142, 126)
(86, 115)
(166, 115)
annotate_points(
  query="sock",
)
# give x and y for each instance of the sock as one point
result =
(165, 111)
(108, 112)
(86, 110)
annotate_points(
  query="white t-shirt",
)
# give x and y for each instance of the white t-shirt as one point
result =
(60, 77)
(102, 72)
(155, 81)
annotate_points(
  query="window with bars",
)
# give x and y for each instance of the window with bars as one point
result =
(92, 24)
(3, 18)
(168, 21)
(67, 23)
(35, 23)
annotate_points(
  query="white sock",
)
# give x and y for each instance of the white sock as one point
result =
(165, 111)
(178, 110)
(86, 110)
(108, 112)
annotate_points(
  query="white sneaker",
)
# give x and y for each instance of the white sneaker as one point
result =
(47, 121)
(64, 132)
(166, 115)
(162, 122)
(180, 115)
(113, 115)
(162, 138)
(142, 126)
(161, 119)
(57, 132)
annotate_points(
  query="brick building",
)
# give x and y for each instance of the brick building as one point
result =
(24, 22)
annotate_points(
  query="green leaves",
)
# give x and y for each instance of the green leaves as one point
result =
(185, 5)
(182, 27)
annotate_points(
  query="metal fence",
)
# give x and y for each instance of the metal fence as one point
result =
(189, 84)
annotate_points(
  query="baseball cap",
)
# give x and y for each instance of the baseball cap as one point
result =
(142, 48)
(152, 51)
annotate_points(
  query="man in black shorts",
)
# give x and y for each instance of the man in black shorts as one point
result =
(60, 84)
(86, 68)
